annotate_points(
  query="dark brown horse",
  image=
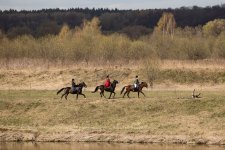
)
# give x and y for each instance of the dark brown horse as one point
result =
(130, 88)
(68, 90)
(111, 89)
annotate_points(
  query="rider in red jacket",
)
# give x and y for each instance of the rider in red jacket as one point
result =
(107, 82)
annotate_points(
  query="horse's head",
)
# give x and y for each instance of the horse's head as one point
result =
(83, 84)
(115, 82)
(144, 84)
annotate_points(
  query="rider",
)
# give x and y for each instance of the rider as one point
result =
(73, 85)
(107, 82)
(136, 83)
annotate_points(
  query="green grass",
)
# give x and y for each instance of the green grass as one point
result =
(191, 76)
(160, 113)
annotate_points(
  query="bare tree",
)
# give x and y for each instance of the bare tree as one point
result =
(166, 24)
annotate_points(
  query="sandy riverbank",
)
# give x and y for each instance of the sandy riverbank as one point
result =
(10, 135)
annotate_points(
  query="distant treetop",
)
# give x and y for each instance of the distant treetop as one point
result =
(133, 23)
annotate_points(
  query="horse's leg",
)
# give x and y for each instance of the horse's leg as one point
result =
(114, 94)
(110, 95)
(103, 94)
(77, 95)
(124, 93)
(143, 93)
(66, 96)
(128, 94)
(66, 93)
(83, 95)
(63, 95)
(138, 94)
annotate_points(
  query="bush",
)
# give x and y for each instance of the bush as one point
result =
(196, 48)
(88, 44)
(219, 48)
(151, 68)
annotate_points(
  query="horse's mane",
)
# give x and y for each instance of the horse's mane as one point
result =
(114, 81)
(143, 82)
(81, 84)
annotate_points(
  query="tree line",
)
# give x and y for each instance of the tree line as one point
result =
(88, 44)
(133, 23)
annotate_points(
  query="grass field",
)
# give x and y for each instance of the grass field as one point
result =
(160, 113)
(167, 111)
(171, 74)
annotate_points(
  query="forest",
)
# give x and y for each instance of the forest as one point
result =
(133, 23)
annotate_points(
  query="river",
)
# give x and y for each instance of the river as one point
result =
(102, 146)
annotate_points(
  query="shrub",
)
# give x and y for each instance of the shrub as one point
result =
(151, 68)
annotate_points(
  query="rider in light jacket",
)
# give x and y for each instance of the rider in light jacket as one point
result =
(136, 82)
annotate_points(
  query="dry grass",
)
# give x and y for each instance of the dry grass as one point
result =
(161, 113)
(207, 65)
(42, 64)
(172, 74)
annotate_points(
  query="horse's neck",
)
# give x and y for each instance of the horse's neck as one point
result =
(80, 85)
(141, 86)
(113, 85)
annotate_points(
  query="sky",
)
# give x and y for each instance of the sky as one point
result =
(111, 4)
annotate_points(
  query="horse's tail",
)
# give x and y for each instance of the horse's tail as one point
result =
(122, 90)
(96, 89)
(60, 90)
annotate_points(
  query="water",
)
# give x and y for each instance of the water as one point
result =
(102, 146)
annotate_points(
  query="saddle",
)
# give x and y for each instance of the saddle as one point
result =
(75, 89)
(107, 88)
(135, 89)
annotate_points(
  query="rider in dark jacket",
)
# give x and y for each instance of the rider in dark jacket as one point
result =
(73, 85)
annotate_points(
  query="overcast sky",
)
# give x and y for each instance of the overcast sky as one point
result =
(120, 4)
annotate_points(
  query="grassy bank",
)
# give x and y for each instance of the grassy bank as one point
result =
(162, 113)
(175, 74)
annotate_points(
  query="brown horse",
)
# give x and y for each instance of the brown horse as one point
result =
(111, 89)
(68, 90)
(130, 88)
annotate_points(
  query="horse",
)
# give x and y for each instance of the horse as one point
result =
(111, 89)
(68, 90)
(131, 88)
